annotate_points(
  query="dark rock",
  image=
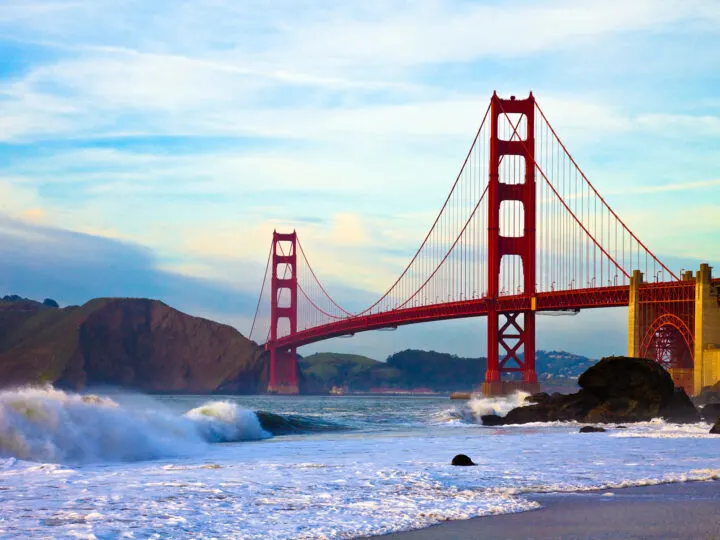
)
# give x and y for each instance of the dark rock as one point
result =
(715, 430)
(540, 397)
(462, 460)
(616, 389)
(527, 414)
(680, 409)
(711, 412)
(620, 427)
(638, 379)
(573, 406)
(492, 420)
(592, 429)
(620, 409)
(708, 395)
(49, 302)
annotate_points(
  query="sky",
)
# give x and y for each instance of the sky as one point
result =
(151, 148)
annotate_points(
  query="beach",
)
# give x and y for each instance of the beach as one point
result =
(688, 510)
(258, 467)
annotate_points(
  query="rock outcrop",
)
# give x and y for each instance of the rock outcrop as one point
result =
(616, 389)
(461, 460)
(715, 430)
(708, 395)
(592, 429)
(136, 343)
(711, 413)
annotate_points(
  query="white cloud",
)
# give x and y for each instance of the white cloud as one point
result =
(359, 115)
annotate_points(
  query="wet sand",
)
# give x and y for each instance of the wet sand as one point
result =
(669, 511)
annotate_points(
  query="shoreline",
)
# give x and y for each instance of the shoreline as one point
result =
(684, 510)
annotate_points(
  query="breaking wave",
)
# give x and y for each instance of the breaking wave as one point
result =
(477, 407)
(224, 421)
(289, 424)
(50, 425)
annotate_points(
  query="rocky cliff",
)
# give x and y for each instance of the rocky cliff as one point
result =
(136, 343)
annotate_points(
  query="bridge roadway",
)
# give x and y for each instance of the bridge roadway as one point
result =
(590, 298)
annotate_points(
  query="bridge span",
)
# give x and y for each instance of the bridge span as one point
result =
(522, 231)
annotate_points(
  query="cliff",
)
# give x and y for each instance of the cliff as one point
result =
(136, 343)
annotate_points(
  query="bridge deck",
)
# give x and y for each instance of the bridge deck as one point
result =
(592, 298)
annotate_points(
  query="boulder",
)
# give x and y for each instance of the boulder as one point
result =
(620, 409)
(540, 397)
(461, 460)
(527, 414)
(715, 430)
(710, 413)
(615, 390)
(492, 420)
(592, 429)
(638, 379)
(680, 409)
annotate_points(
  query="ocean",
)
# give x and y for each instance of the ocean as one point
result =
(123, 465)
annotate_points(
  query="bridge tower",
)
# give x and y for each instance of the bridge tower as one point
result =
(509, 332)
(283, 307)
(707, 330)
(682, 330)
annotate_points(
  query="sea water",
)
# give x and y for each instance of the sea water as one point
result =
(115, 465)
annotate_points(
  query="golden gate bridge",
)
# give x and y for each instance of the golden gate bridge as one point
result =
(522, 231)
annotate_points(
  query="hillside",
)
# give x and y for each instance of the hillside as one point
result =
(322, 371)
(136, 343)
(554, 365)
(406, 370)
(412, 369)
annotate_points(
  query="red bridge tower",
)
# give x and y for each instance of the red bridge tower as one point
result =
(283, 306)
(515, 330)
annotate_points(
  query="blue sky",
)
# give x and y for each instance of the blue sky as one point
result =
(150, 148)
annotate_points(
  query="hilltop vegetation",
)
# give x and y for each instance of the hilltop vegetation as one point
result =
(322, 371)
(412, 369)
(406, 370)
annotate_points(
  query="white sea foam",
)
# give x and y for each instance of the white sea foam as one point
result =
(223, 421)
(478, 406)
(339, 484)
(45, 424)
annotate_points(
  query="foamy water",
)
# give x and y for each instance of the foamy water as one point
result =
(144, 467)
(44, 424)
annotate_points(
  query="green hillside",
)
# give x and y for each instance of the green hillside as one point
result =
(412, 369)
(322, 371)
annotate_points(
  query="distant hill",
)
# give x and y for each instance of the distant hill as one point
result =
(554, 365)
(136, 343)
(412, 369)
(405, 370)
(322, 371)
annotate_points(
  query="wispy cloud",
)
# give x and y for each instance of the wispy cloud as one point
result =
(194, 129)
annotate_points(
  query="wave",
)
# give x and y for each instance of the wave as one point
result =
(289, 424)
(472, 411)
(50, 425)
(224, 421)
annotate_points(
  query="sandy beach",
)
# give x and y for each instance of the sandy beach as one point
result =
(668, 511)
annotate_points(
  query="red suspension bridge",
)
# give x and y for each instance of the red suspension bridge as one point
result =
(522, 231)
